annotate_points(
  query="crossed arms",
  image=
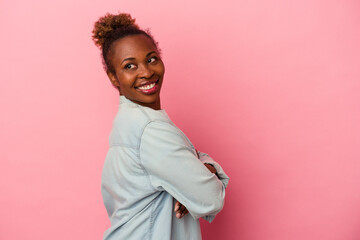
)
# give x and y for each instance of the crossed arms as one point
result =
(193, 178)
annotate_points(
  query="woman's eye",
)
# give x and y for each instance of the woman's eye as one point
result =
(152, 59)
(129, 66)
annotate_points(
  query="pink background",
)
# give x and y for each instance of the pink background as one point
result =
(270, 89)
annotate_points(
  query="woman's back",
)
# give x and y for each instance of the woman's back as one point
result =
(136, 196)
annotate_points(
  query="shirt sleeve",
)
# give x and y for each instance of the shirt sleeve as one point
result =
(205, 158)
(173, 166)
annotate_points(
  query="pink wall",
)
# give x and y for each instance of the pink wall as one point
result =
(270, 89)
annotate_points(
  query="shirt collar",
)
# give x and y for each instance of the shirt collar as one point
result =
(123, 100)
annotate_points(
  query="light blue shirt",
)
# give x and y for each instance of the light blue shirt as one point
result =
(150, 163)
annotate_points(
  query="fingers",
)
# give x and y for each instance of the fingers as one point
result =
(210, 167)
(180, 210)
(177, 206)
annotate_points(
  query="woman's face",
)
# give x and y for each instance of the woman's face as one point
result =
(139, 70)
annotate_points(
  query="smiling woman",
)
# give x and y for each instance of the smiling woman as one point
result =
(153, 175)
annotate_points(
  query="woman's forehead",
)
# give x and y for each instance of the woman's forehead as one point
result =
(134, 46)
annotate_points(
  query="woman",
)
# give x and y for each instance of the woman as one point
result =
(152, 176)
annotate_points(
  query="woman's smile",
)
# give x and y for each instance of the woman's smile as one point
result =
(149, 87)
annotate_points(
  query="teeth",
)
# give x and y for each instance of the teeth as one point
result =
(146, 87)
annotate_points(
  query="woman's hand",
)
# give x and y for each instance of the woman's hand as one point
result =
(180, 210)
(210, 167)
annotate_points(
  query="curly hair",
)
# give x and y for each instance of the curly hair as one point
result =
(110, 28)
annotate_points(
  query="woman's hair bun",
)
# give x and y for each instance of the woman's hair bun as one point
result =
(108, 23)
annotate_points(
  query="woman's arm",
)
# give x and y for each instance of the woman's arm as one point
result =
(206, 159)
(173, 166)
(179, 209)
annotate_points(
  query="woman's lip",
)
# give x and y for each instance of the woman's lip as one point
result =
(150, 90)
(147, 83)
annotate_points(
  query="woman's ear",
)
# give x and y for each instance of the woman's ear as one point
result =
(113, 79)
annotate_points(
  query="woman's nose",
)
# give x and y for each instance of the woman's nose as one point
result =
(145, 71)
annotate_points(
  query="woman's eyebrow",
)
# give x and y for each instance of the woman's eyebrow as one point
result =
(150, 53)
(131, 58)
(127, 59)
